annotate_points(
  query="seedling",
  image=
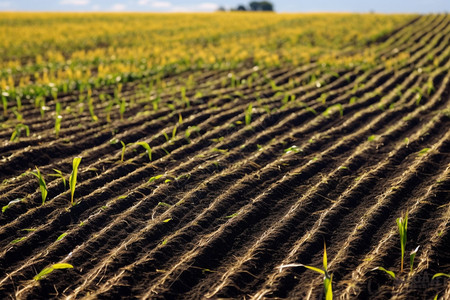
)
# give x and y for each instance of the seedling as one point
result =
(154, 178)
(147, 147)
(423, 151)
(50, 269)
(402, 224)
(61, 236)
(73, 177)
(60, 175)
(440, 275)
(18, 131)
(4, 208)
(174, 132)
(123, 151)
(333, 108)
(327, 277)
(42, 185)
(248, 114)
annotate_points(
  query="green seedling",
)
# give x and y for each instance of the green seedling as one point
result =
(189, 130)
(73, 178)
(147, 148)
(440, 275)
(248, 114)
(333, 108)
(18, 131)
(42, 185)
(294, 149)
(18, 240)
(174, 132)
(412, 255)
(124, 147)
(371, 138)
(390, 273)
(423, 151)
(184, 98)
(122, 108)
(154, 178)
(19, 116)
(327, 277)
(58, 120)
(61, 236)
(59, 174)
(50, 269)
(91, 106)
(4, 208)
(402, 224)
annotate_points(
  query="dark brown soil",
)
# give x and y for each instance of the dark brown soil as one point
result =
(228, 203)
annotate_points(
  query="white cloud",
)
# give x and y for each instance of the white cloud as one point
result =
(161, 4)
(208, 6)
(156, 4)
(96, 7)
(74, 2)
(118, 7)
(202, 7)
(4, 4)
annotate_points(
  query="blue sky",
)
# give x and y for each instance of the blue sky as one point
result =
(385, 6)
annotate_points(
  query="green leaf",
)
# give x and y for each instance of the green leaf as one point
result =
(61, 236)
(412, 255)
(154, 178)
(325, 264)
(18, 240)
(43, 273)
(440, 275)
(4, 208)
(147, 147)
(73, 177)
(423, 151)
(315, 269)
(328, 288)
(62, 266)
(392, 274)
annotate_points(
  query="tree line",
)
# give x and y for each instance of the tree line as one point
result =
(252, 6)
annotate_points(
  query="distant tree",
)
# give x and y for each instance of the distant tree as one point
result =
(261, 6)
(255, 6)
(221, 8)
(266, 6)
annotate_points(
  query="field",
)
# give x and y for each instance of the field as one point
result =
(218, 156)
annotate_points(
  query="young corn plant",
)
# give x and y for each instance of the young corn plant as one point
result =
(18, 131)
(73, 178)
(42, 185)
(327, 277)
(402, 224)
(124, 147)
(147, 148)
(50, 269)
(59, 174)
(248, 114)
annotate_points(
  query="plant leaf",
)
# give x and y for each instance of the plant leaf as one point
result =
(62, 266)
(43, 273)
(440, 274)
(392, 274)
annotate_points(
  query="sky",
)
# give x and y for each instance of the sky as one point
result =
(382, 6)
